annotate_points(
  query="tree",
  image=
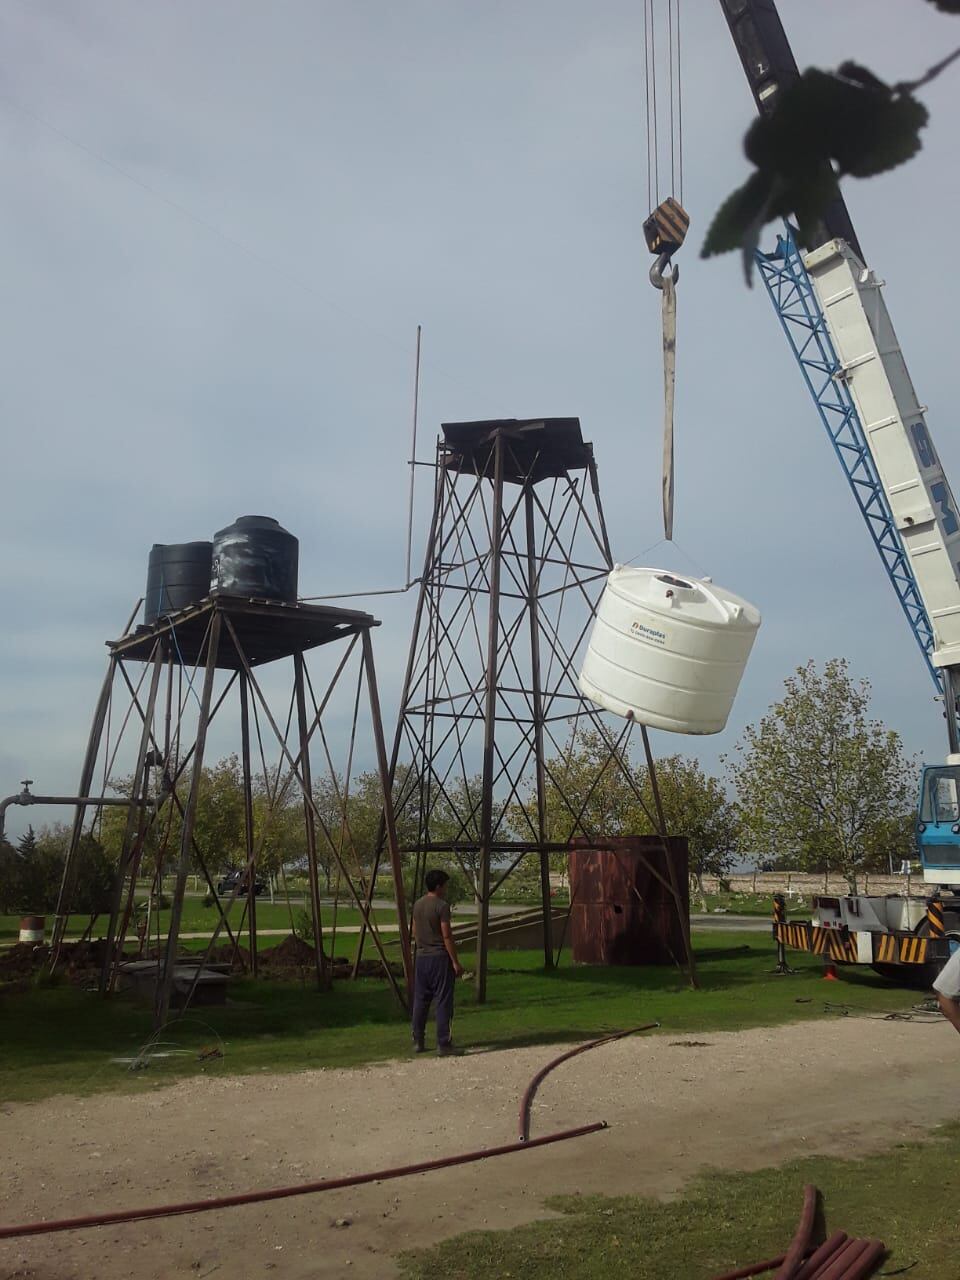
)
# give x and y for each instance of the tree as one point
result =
(817, 780)
(696, 805)
(30, 875)
(27, 844)
(587, 791)
(826, 125)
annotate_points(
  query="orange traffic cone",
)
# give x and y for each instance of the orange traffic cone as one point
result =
(830, 972)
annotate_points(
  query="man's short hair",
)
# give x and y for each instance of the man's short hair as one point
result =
(435, 879)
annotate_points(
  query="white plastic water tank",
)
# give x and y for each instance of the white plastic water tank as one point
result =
(668, 650)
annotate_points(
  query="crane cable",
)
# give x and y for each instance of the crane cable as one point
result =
(666, 226)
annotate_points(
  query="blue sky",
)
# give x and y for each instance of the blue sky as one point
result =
(227, 325)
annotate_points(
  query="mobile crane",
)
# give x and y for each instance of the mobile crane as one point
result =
(834, 316)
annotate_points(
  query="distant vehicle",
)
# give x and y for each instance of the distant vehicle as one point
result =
(237, 880)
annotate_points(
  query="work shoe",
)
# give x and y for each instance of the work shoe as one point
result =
(449, 1050)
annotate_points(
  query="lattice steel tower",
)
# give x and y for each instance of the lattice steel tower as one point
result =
(516, 560)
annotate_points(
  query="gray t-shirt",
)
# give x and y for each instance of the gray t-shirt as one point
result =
(948, 979)
(428, 913)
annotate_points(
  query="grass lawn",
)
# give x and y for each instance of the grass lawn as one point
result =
(742, 904)
(905, 1197)
(59, 1039)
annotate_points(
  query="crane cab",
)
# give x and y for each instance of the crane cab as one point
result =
(938, 824)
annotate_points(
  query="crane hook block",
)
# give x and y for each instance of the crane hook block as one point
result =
(666, 228)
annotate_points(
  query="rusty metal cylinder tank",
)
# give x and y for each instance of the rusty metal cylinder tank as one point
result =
(622, 913)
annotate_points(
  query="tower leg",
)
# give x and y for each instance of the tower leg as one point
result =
(389, 821)
(86, 778)
(165, 986)
(490, 722)
(248, 821)
(323, 977)
(133, 832)
(533, 588)
(682, 917)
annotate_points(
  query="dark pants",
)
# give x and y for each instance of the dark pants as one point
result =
(433, 981)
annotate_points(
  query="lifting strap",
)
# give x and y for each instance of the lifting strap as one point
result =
(669, 315)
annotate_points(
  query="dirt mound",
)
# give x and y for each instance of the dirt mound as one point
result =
(292, 952)
(224, 954)
(296, 954)
(21, 960)
(79, 961)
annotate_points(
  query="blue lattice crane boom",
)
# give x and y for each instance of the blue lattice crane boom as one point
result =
(832, 310)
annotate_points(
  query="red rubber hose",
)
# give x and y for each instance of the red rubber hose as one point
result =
(283, 1193)
(523, 1128)
(333, 1184)
(867, 1262)
(800, 1245)
(846, 1261)
(819, 1256)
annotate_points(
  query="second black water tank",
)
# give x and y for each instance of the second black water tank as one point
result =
(178, 574)
(255, 557)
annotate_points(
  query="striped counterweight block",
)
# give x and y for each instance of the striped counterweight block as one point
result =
(844, 947)
(666, 228)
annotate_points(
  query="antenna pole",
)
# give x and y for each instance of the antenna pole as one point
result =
(413, 459)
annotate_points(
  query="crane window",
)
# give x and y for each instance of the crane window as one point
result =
(941, 796)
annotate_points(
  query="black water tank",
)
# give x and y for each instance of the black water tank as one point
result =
(255, 556)
(178, 574)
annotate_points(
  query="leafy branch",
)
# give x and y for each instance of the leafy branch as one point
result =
(827, 125)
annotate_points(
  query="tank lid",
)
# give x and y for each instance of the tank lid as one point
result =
(698, 600)
(190, 547)
(248, 523)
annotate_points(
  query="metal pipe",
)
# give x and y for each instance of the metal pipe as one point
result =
(523, 1128)
(26, 798)
(283, 1193)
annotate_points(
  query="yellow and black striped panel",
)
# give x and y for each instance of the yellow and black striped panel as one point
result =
(935, 918)
(666, 228)
(797, 934)
(905, 948)
(913, 950)
(835, 944)
(885, 948)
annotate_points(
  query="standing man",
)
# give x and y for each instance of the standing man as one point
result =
(437, 963)
(947, 987)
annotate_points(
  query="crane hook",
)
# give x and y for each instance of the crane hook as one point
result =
(659, 270)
